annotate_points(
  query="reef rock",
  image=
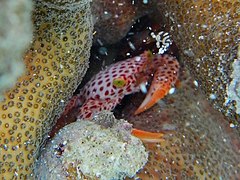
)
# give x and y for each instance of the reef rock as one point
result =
(55, 63)
(102, 148)
(15, 35)
(113, 19)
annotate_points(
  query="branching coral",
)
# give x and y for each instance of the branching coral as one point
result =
(55, 64)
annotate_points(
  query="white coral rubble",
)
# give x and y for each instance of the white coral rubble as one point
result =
(233, 90)
(103, 148)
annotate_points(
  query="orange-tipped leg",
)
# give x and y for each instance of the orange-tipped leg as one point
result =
(146, 136)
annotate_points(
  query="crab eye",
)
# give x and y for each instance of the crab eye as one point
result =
(119, 82)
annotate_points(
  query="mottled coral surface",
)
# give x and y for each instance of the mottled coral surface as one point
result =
(55, 63)
(207, 34)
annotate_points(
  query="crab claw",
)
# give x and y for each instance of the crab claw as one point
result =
(146, 136)
(153, 96)
(165, 76)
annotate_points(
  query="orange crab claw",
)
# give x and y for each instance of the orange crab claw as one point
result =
(152, 98)
(165, 76)
(146, 136)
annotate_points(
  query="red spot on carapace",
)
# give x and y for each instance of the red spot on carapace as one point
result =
(88, 115)
(106, 93)
(97, 96)
(100, 82)
(108, 84)
(93, 107)
(120, 91)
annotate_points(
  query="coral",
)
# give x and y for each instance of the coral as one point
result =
(55, 63)
(207, 34)
(103, 148)
(15, 35)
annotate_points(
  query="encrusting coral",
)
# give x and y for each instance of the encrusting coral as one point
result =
(207, 34)
(55, 64)
(15, 35)
(102, 148)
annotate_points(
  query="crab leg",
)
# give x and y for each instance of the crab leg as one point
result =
(165, 76)
(75, 101)
(147, 136)
(93, 106)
